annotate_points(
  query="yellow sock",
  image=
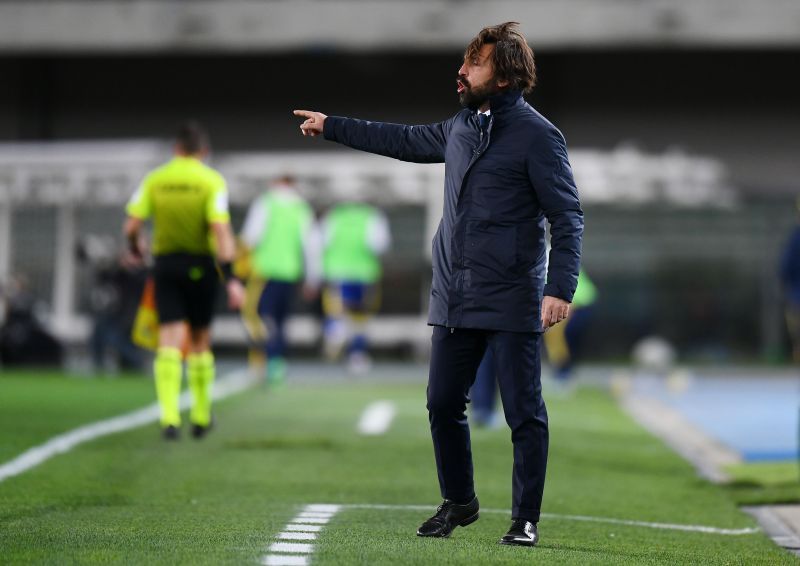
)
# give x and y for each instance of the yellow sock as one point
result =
(167, 369)
(200, 373)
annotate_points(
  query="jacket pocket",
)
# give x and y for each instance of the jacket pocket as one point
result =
(490, 251)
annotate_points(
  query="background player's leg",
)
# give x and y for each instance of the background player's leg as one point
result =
(274, 308)
(167, 368)
(200, 373)
(484, 393)
(335, 332)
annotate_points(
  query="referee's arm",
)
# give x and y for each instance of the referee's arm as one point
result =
(226, 252)
(132, 230)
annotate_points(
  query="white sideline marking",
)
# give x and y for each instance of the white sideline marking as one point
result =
(295, 547)
(287, 552)
(377, 418)
(225, 387)
(610, 520)
(284, 560)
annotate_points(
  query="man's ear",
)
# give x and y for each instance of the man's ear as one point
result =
(502, 83)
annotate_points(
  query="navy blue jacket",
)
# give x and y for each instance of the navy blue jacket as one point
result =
(489, 250)
(790, 268)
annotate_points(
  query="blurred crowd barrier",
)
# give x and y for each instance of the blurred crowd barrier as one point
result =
(671, 246)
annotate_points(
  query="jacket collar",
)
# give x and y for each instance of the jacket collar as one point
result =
(504, 100)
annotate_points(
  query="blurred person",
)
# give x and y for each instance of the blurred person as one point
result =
(279, 233)
(483, 394)
(790, 280)
(24, 340)
(507, 172)
(354, 236)
(117, 280)
(188, 203)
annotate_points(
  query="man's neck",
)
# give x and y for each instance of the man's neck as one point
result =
(484, 107)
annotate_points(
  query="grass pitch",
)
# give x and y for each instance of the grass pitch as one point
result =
(133, 498)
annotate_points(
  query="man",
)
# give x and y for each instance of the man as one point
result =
(277, 231)
(354, 236)
(188, 203)
(506, 171)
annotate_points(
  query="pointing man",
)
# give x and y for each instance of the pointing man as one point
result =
(507, 173)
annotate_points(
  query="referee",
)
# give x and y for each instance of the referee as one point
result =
(188, 204)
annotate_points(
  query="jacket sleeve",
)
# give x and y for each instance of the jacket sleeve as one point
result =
(419, 144)
(551, 176)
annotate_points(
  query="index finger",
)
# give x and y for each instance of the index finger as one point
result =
(304, 113)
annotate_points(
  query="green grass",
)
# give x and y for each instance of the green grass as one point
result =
(760, 483)
(36, 405)
(132, 498)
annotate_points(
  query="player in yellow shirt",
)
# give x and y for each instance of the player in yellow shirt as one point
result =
(188, 204)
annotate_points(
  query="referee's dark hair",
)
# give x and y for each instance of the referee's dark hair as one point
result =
(192, 137)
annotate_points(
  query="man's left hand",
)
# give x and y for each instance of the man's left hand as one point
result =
(554, 310)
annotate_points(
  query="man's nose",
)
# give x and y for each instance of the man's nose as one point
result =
(462, 71)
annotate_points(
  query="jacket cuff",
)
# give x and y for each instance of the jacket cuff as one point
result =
(329, 128)
(553, 290)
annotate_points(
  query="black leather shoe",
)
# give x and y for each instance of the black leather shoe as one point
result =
(199, 431)
(521, 533)
(170, 433)
(448, 516)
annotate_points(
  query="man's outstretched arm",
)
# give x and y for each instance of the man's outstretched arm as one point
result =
(419, 144)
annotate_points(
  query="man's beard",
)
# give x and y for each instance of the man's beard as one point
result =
(473, 97)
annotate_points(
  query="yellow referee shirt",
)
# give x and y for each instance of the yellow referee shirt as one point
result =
(183, 197)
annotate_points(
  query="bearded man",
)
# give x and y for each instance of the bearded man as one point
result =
(506, 175)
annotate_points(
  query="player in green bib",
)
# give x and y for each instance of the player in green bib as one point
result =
(279, 232)
(187, 202)
(354, 236)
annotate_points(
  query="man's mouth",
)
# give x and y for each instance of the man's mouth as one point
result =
(461, 86)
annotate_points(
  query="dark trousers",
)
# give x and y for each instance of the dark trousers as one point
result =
(455, 358)
(273, 307)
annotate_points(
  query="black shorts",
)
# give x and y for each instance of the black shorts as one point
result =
(186, 288)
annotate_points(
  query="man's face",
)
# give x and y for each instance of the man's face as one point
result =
(476, 79)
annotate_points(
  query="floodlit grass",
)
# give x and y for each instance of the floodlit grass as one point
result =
(758, 483)
(133, 498)
(35, 406)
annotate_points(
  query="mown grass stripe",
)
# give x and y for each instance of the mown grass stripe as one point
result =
(294, 535)
(303, 528)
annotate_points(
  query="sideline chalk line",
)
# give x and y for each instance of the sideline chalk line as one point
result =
(295, 543)
(586, 518)
(226, 386)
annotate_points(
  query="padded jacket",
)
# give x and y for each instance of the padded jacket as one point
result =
(501, 184)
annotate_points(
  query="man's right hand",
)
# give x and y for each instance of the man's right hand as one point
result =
(313, 124)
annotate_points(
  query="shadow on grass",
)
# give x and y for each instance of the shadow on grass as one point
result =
(283, 443)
